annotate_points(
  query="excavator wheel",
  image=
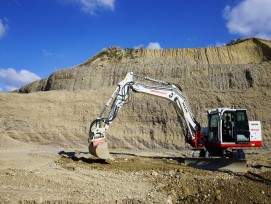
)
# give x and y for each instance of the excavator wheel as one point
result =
(99, 148)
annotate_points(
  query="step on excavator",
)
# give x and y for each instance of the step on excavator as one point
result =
(216, 147)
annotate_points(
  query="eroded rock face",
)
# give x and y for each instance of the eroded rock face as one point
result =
(230, 76)
(227, 67)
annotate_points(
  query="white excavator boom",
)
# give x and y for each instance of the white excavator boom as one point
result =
(98, 145)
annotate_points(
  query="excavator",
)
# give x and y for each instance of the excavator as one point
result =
(218, 146)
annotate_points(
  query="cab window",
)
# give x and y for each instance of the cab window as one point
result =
(213, 127)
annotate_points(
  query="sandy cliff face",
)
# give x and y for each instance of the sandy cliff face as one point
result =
(108, 67)
(230, 76)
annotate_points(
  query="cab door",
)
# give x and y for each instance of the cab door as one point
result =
(213, 128)
(241, 127)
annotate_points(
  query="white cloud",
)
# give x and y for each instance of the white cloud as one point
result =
(151, 45)
(154, 45)
(249, 18)
(92, 6)
(219, 44)
(3, 27)
(139, 46)
(11, 88)
(47, 53)
(10, 79)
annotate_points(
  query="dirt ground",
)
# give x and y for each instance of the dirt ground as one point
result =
(31, 173)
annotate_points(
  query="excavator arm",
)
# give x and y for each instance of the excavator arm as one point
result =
(171, 92)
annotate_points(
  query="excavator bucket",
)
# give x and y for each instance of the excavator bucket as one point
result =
(99, 148)
(218, 164)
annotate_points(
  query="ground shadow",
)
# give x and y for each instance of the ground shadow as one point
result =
(78, 156)
(257, 178)
(178, 159)
(260, 166)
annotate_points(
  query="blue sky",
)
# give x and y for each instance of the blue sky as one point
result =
(40, 37)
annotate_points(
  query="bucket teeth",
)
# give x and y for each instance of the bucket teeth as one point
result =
(99, 148)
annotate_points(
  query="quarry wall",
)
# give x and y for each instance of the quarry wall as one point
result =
(59, 109)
